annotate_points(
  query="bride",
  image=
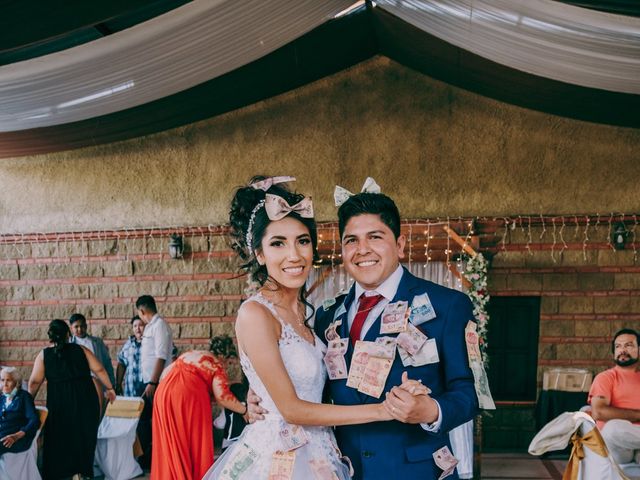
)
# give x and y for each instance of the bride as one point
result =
(275, 233)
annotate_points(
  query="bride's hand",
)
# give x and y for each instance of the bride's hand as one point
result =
(414, 387)
(254, 411)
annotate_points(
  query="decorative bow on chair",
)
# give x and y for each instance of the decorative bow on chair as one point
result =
(341, 195)
(278, 208)
(267, 183)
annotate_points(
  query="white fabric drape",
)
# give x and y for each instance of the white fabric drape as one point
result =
(192, 44)
(542, 37)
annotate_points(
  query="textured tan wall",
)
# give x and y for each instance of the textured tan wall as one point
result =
(437, 149)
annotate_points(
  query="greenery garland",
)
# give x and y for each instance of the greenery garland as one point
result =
(476, 272)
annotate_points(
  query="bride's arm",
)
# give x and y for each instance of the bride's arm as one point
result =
(258, 334)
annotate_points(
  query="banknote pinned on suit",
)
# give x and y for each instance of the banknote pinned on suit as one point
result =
(445, 461)
(370, 365)
(480, 380)
(394, 317)
(334, 358)
(421, 310)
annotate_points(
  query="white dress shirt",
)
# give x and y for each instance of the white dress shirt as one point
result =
(388, 290)
(157, 342)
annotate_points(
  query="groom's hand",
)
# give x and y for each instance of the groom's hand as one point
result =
(410, 402)
(254, 411)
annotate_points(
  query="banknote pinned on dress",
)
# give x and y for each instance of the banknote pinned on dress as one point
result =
(394, 317)
(445, 461)
(428, 353)
(480, 380)
(421, 309)
(331, 332)
(411, 339)
(243, 458)
(282, 464)
(334, 358)
(322, 469)
(292, 436)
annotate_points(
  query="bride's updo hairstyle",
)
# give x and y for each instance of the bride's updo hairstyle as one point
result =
(249, 221)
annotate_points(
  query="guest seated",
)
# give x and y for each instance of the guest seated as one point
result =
(615, 401)
(19, 420)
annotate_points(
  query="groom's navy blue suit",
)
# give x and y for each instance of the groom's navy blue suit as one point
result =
(390, 450)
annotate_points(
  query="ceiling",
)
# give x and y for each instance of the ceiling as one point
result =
(34, 28)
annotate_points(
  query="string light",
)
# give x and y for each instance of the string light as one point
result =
(564, 244)
(586, 239)
(609, 232)
(553, 234)
(410, 243)
(529, 238)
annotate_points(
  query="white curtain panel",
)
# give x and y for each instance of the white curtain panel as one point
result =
(192, 44)
(542, 37)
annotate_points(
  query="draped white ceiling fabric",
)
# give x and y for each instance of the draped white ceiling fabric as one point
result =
(192, 44)
(542, 37)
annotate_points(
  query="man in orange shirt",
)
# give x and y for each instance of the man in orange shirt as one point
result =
(615, 398)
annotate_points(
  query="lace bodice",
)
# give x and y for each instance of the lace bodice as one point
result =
(302, 360)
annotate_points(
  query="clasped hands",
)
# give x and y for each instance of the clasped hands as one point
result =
(408, 402)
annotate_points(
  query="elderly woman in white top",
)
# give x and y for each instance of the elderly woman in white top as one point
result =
(19, 419)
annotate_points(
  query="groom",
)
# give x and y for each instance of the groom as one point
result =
(372, 247)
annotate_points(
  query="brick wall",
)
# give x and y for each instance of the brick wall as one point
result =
(51, 277)
(587, 292)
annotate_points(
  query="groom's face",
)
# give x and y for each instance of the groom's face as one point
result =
(370, 251)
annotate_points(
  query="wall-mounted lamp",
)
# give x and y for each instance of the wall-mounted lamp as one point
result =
(176, 246)
(619, 236)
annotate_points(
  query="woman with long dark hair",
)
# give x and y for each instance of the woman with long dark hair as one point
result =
(71, 429)
(274, 233)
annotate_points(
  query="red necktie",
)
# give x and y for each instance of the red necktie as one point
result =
(364, 307)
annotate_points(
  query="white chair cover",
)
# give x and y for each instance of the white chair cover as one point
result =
(114, 449)
(556, 435)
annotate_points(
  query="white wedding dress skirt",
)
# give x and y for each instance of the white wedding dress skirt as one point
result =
(250, 457)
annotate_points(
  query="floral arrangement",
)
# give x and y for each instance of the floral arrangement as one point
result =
(476, 272)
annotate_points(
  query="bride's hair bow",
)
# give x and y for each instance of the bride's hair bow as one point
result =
(341, 195)
(267, 183)
(278, 208)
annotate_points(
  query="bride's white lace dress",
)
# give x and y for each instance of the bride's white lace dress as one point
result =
(250, 457)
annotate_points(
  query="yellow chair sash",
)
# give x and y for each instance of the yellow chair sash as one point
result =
(594, 442)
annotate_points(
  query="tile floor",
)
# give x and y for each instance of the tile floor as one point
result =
(514, 466)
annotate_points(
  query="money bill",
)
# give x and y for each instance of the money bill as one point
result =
(293, 436)
(480, 380)
(358, 365)
(334, 359)
(445, 461)
(472, 340)
(282, 465)
(421, 309)
(411, 339)
(375, 376)
(481, 383)
(322, 470)
(427, 354)
(331, 333)
(242, 459)
(394, 317)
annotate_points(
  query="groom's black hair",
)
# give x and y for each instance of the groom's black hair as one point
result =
(370, 203)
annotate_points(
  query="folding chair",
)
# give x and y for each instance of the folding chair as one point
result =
(116, 438)
(24, 465)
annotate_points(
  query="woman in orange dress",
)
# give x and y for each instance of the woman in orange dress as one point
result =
(182, 420)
